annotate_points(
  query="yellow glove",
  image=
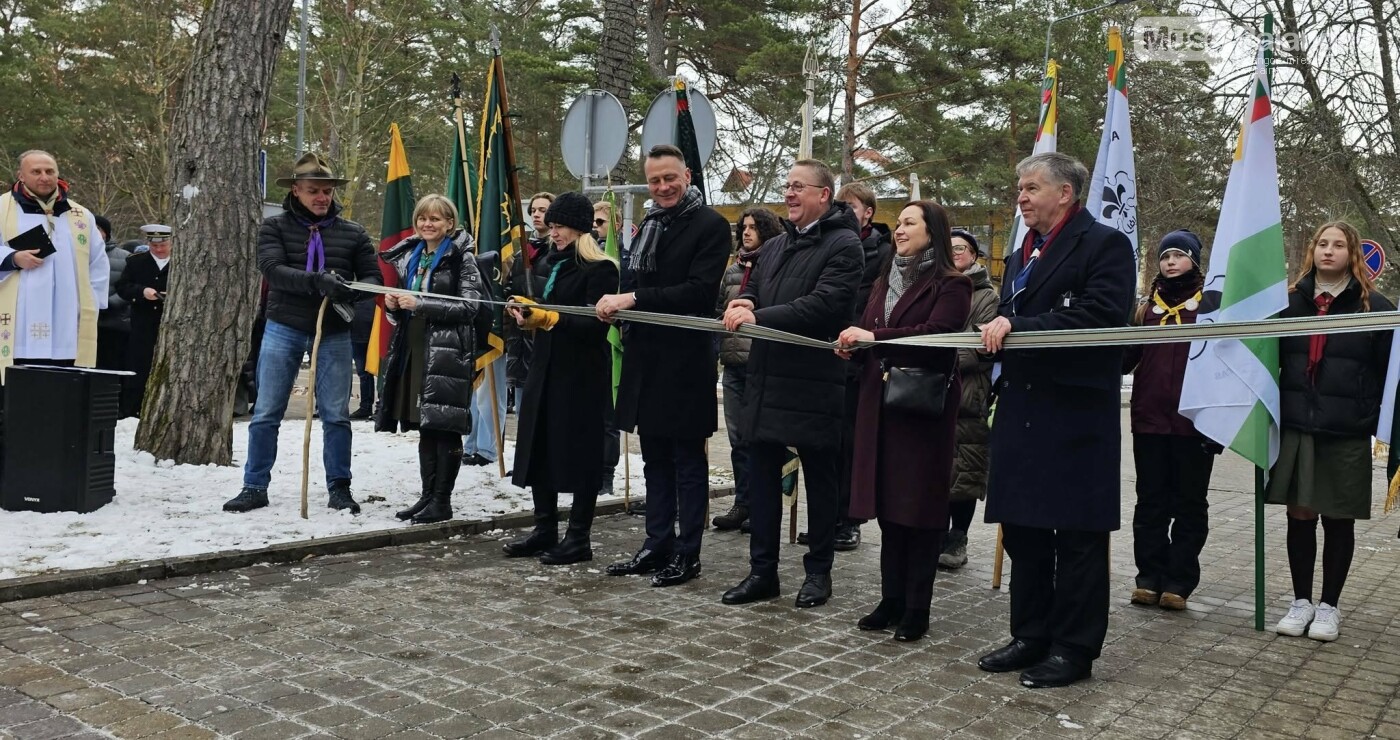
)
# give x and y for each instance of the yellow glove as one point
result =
(536, 318)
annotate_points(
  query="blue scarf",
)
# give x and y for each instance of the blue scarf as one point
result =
(416, 281)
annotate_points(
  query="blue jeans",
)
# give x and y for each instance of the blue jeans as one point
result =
(733, 381)
(482, 440)
(279, 361)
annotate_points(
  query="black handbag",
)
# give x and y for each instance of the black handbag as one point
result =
(919, 391)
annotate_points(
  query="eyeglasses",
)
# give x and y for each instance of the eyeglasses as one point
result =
(960, 249)
(797, 187)
(600, 221)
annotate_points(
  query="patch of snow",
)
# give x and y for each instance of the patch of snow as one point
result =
(163, 510)
(1068, 725)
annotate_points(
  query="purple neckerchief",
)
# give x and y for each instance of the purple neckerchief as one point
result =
(315, 249)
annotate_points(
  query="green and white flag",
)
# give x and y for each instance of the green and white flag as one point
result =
(1231, 387)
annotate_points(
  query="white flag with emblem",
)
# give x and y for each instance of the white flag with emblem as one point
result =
(1113, 188)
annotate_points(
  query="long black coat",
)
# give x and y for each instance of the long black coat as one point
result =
(292, 298)
(559, 442)
(1055, 439)
(669, 375)
(804, 284)
(449, 366)
(1344, 399)
(142, 272)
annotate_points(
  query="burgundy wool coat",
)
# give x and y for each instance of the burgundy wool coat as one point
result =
(903, 465)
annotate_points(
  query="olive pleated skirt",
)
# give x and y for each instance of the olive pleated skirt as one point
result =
(1330, 475)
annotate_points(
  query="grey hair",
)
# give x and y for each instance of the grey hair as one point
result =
(1059, 169)
(19, 163)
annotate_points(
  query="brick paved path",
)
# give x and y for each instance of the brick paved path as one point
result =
(450, 640)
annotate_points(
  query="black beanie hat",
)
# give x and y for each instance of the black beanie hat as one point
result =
(572, 210)
(976, 248)
(1181, 241)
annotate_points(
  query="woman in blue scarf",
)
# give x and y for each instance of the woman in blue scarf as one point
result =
(431, 362)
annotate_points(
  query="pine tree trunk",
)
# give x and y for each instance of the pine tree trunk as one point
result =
(188, 412)
(848, 139)
(617, 54)
(656, 38)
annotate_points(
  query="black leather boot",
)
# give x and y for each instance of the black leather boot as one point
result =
(449, 463)
(427, 470)
(576, 547)
(546, 532)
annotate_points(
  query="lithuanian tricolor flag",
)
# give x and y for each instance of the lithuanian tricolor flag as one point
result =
(396, 225)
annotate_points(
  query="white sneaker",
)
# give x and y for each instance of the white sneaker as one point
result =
(1326, 624)
(1297, 619)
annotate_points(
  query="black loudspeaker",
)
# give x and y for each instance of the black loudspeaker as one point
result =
(59, 429)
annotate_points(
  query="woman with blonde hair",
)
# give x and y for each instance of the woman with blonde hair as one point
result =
(568, 392)
(431, 363)
(1330, 388)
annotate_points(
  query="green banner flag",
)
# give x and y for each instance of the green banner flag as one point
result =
(498, 223)
(610, 247)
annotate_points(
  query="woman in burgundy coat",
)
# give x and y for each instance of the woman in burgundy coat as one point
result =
(903, 463)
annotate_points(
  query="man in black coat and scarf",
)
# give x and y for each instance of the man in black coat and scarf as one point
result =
(307, 253)
(667, 389)
(794, 396)
(1054, 474)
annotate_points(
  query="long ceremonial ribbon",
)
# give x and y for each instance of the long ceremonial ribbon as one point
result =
(1338, 324)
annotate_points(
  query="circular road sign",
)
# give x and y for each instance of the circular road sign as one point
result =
(594, 135)
(1374, 256)
(659, 127)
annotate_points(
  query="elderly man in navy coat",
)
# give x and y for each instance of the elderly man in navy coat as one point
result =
(1054, 472)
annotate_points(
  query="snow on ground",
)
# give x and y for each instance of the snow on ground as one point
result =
(166, 510)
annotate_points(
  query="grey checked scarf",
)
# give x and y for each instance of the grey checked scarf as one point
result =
(904, 272)
(656, 221)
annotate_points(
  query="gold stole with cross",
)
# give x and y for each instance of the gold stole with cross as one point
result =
(9, 287)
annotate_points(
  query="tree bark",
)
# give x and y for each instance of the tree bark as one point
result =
(656, 38)
(617, 55)
(204, 338)
(848, 140)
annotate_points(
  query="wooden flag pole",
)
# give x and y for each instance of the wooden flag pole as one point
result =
(311, 407)
(997, 560)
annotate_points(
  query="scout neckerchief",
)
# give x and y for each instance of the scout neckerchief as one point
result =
(1173, 312)
(77, 219)
(418, 271)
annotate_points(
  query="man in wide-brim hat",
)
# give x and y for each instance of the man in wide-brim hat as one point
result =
(307, 253)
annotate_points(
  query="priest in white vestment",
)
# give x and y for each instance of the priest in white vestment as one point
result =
(49, 304)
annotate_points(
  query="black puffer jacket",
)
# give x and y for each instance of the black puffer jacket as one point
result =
(876, 248)
(445, 403)
(1344, 400)
(292, 298)
(805, 284)
(734, 349)
(520, 343)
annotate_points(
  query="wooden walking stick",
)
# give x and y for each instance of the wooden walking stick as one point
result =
(311, 407)
(996, 561)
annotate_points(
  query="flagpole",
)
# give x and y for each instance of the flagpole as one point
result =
(512, 192)
(469, 217)
(1260, 474)
(1053, 20)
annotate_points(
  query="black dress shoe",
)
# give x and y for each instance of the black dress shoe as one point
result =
(913, 626)
(1053, 672)
(802, 538)
(753, 588)
(884, 615)
(847, 537)
(475, 459)
(360, 414)
(645, 561)
(1017, 655)
(747, 527)
(815, 591)
(682, 568)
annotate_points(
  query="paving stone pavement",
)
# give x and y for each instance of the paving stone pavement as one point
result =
(451, 640)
